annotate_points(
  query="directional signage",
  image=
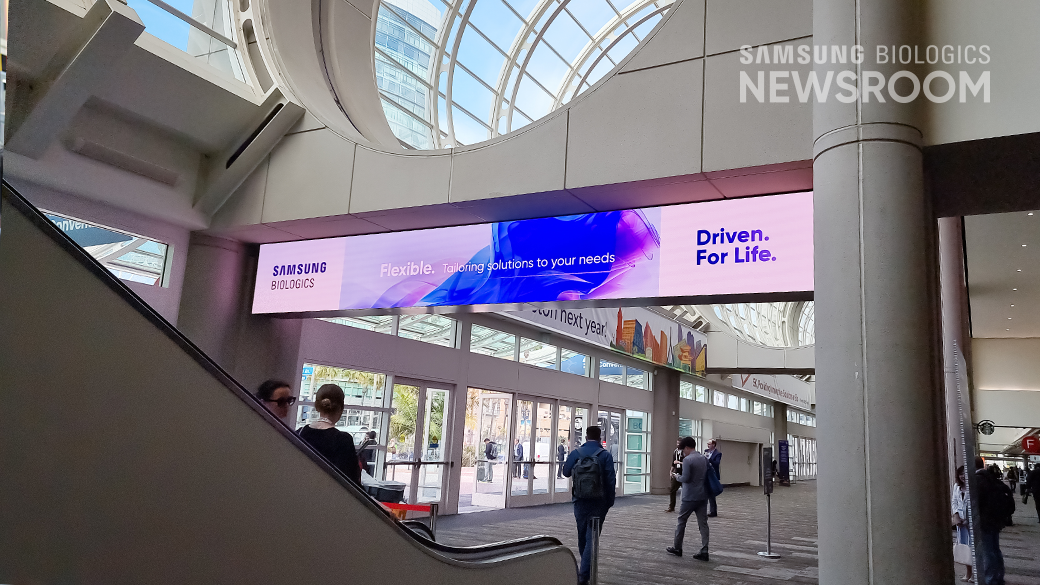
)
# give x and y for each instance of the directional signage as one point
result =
(1031, 445)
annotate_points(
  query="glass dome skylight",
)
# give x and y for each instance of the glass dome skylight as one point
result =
(770, 324)
(458, 72)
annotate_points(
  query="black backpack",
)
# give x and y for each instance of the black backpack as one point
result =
(587, 477)
(1003, 500)
(1000, 501)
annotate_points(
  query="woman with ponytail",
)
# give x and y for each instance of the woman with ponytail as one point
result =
(335, 445)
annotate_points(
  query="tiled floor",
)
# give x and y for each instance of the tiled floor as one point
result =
(638, 529)
(1021, 547)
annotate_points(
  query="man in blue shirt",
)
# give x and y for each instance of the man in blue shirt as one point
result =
(588, 507)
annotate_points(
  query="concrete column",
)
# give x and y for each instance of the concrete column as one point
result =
(956, 346)
(779, 427)
(876, 341)
(216, 314)
(664, 428)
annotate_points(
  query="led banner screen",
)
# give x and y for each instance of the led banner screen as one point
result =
(741, 246)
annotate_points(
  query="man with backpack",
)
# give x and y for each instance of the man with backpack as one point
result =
(996, 505)
(490, 455)
(593, 481)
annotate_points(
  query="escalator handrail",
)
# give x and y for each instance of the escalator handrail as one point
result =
(451, 554)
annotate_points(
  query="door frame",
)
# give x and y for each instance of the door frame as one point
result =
(419, 449)
(550, 466)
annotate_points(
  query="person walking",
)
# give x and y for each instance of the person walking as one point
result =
(694, 497)
(593, 481)
(561, 457)
(518, 456)
(367, 453)
(959, 515)
(996, 504)
(489, 460)
(1012, 477)
(677, 457)
(715, 460)
(1033, 487)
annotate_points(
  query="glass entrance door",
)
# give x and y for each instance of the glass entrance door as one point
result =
(486, 451)
(571, 421)
(419, 425)
(533, 455)
(610, 423)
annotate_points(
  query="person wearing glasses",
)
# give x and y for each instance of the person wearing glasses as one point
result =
(277, 397)
(337, 446)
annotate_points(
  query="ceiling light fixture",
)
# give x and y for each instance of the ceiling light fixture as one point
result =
(1020, 270)
(1009, 318)
(1014, 289)
(1030, 213)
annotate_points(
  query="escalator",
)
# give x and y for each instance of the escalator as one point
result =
(128, 456)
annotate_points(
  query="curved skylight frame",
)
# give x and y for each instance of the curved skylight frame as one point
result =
(784, 324)
(443, 109)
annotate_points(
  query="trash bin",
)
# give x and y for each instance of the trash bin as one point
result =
(390, 492)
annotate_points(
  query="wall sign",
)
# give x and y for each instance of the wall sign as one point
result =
(786, 389)
(739, 246)
(636, 332)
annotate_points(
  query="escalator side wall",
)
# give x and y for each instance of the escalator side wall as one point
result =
(124, 460)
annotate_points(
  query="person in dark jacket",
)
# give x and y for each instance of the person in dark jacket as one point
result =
(1033, 487)
(991, 520)
(489, 458)
(584, 509)
(335, 445)
(715, 460)
(518, 455)
(367, 453)
(694, 498)
(677, 457)
(561, 457)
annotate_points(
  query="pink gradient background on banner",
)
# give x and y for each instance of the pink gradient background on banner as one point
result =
(364, 286)
(323, 296)
(786, 219)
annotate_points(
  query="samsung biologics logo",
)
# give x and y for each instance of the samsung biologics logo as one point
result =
(300, 270)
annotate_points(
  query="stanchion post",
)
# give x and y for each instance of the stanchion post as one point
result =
(767, 487)
(594, 556)
(433, 520)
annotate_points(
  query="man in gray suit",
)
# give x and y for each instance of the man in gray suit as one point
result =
(694, 497)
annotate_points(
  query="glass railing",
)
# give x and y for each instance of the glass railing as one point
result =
(203, 29)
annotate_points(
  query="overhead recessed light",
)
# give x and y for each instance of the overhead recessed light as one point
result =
(1030, 213)
(1020, 270)
(1012, 305)
(1014, 289)
(1007, 330)
(1009, 318)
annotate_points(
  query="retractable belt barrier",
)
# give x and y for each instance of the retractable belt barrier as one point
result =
(401, 510)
